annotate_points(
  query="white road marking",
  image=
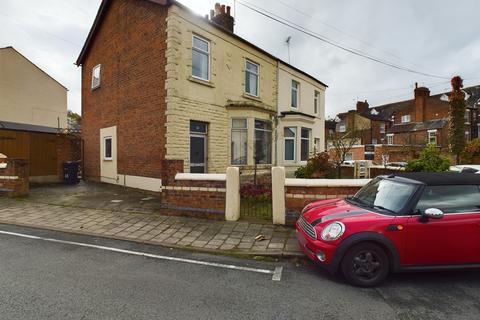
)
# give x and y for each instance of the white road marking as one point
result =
(277, 273)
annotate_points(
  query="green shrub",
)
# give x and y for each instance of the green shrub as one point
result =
(430, 160)
(319, 166)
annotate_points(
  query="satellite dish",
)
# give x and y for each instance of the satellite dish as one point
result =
(374, 112)
(444, 97)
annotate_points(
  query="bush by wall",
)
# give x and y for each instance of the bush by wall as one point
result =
(431, 160)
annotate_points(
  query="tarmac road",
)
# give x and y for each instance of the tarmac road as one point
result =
(41, 279)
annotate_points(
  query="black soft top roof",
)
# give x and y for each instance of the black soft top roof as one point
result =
(441, 179)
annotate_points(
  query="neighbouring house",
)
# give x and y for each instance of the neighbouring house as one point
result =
(33, 116)
(301, 118)
(164, 89)
(399, 130)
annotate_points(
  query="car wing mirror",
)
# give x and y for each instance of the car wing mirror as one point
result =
(433, 213)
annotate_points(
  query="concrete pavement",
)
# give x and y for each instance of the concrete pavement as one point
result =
(45, 280)
(152, 228)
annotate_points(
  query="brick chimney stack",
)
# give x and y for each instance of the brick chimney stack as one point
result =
(222, 16)
(421, 95)
(362, 106)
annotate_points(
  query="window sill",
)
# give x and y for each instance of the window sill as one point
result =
(95, 88)
(201, 81)
(251, 97)
(107, 159)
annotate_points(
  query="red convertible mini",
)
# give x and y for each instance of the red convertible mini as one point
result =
(401, 222)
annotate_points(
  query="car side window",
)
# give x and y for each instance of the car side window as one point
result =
(450, 199)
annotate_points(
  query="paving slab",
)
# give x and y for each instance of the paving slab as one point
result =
(86, 209)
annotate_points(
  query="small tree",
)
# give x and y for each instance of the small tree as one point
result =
(456, 135)
(341, 144)
(431, 160)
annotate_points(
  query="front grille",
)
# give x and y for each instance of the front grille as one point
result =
(307, 227)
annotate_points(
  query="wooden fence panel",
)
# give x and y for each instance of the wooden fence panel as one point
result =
(15, 144)
(43, 154)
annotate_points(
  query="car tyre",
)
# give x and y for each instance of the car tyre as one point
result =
(365, 265)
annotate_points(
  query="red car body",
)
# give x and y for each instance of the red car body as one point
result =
(408, 238)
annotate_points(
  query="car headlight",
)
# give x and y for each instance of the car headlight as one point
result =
(333, 231)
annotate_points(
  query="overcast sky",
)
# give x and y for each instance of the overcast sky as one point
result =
(437, 37)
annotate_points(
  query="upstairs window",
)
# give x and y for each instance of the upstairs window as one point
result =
(390, 139)
(382, 127)
(467, 116)
(251, 78)
(295, 90)
(96, 76)
(316, 101)
(342, 128)
(200, 58)
(406, 118)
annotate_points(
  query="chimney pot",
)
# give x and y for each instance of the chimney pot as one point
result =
(212, 14)
(222, 9)
(416, 85)
(229, 10)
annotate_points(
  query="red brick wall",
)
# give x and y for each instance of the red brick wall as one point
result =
(130, 45)
(201, 199)
(68, 149)
(15, 177)
(296, 198)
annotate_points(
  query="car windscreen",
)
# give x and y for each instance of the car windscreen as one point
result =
(385, 195)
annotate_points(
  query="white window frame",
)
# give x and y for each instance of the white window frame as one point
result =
(294, 145)
(297, 94)
(256, 74)
(406, 118)
(342, 128)
(467, 116)
(204, 52)
(382, 127)
(390, 139)
(432, 134)
(316, 101)
(96, 85)
(105, 148)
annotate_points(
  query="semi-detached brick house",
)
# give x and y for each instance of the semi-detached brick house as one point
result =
(166, 90)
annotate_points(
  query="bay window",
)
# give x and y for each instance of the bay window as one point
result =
(239, 142)
(263, 142)
(305, 144)
(290, 136)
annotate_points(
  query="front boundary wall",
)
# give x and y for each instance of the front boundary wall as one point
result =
(14, 177)
(210, 196)
(290, 196)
